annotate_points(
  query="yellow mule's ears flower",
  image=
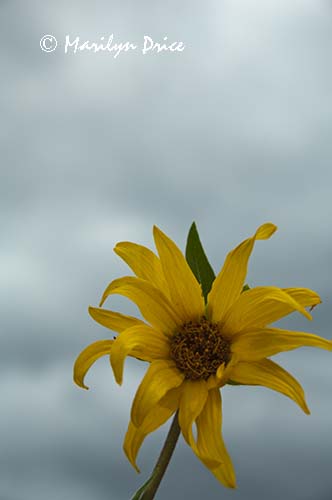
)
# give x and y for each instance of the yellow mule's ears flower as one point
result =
(199, 333)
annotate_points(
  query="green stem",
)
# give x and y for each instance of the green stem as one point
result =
(163, 460)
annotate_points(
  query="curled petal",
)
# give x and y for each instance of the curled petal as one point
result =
(139, 341)
(159, 414)
(269, 374)
(144, 263)
(185, 291)
(87, 357)
(161, 376)
(256, 344)
(303, 296)
(228, 284)
(153, 304)
(259, 307)
(220, 377)
(132, 443)
(113, 320)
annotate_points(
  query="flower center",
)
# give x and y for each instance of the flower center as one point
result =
(198, 349)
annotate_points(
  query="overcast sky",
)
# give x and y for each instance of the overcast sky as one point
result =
(231, 132)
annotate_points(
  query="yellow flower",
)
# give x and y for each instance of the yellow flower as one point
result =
(194, 348)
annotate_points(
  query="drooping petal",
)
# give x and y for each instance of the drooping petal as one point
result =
(259, 307)
(185, 291)
(269, 374)
(113, 320)
(132, 443)
(140, 341)
(144, 263)
(256, 344)
(161, 376)
(153, 304)
(87, 357)
(210, 442)
(159, 414)
(193, 398)
(228, 284)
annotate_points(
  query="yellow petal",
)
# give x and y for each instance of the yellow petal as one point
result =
(159, 414)
(161, 376)
(132, 443)
(210, 442)
(257, 344)
(87, 357)
(220, 377)
(185, 291)
(152, 303)
(113, 320)
(144, 263)
(140, 341)
(304, 296)
(228, 284)
(259, 307)
(269, 374)
(193, 398)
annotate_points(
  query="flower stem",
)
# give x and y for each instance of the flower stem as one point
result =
(163, 460)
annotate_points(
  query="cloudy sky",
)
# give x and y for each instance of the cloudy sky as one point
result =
(232, 132)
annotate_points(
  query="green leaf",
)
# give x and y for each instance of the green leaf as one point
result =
(245, 288)
(198, 261)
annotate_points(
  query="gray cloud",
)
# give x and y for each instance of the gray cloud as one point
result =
(232, 132)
